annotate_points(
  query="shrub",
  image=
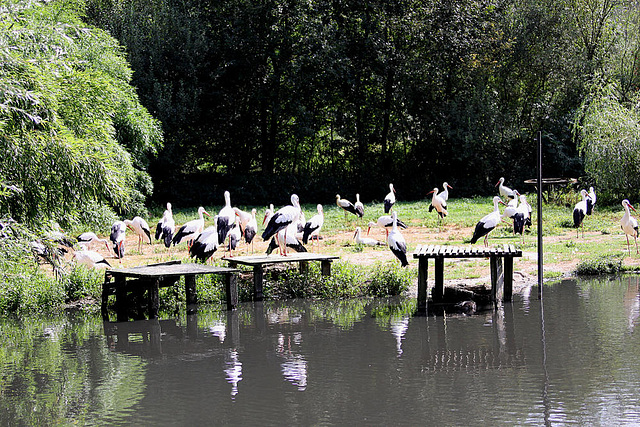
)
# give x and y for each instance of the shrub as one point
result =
(601, 265)
(389, 280)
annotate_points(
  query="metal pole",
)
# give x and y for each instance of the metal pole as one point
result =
(540, 268)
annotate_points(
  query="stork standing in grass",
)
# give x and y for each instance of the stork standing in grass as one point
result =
(286, 237)
(580, 211)
(242, 218)
(488, 222)
(139, 226)
(117, 236)
(629, 224)
(313, 226)
(505, 191)
(191, 229)
(591, 202)
(439, 204)
(525, 207)
(226, 218)
(346, 205)
(390, 199)
(386, 222)
(396, 242)
(444, 195)
(359, 206)
(280, 220)
(166, 227)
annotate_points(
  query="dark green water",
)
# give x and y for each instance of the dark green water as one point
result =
(365, 362)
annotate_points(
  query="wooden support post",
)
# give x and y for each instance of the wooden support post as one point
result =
(154, 297)
(423, 273)
(106, 291)
(120, 283)
(231, 288)
(497, 276)
(437, 293)
(508, 278)
(304, 267)
(258, 274)
(326, 267)
(190, 289)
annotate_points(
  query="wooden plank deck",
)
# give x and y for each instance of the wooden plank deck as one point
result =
(259, 261)
(501, 276)
(150, 278)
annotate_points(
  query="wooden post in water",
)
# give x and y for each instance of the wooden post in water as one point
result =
(540, 258)
(423, 272)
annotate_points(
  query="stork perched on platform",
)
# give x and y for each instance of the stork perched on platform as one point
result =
(281, 219)
(488, 222)
(251, 229)
(286, 237)
(205, 244)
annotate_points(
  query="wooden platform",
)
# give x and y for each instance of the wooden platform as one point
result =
(259, 261)
(500, 276)
(152, 277)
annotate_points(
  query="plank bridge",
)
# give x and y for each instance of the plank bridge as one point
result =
(501, 274)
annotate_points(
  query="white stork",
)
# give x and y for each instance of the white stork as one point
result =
(526, 210)
(346, 205)
(89, 238)
(504, 190)
(280, 220)
(591, 202)
(288, 236)
(488, 222)
(268, 214)
(235, 235)
(365, 240)
(396, 242)
(251, 229)
(389, 199)
(205, 244)
(580, 211)
(226, 218)
(438, 203)
(386, 222)
(91, 259)
(243, 218)
(190, 229)
(117, 236)
(166, 214)
(166, 227)
(629, 224)
(313, 226)
(139, 226)
(445, 192)
(359, 206)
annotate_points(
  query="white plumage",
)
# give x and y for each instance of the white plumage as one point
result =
(166, 227)
(117, 236)
(251, 229)
(191, 229)
(629, 224)
(438, 203)
(89, 239)
(139, 226)
(226, 218)
(396, 242)
(205, 244)
(488, 222)
(580, 211)
(365, 240)
(346, 205)
(91, 259)
(504, 190)
(313, 226)
(445, 192)
(359, 206)
(281, 219)
(389, 199)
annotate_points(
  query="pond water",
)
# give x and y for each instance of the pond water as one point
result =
(574, 359)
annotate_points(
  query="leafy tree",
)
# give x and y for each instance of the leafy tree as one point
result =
(72, 131)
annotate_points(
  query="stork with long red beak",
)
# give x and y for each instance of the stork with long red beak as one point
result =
(629, 224)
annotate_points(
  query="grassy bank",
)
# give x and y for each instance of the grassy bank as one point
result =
(362, 271)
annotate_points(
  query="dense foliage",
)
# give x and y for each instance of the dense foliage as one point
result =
(74, 137)
(320, 96)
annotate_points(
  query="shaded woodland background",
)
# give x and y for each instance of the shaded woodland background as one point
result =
(269, 97)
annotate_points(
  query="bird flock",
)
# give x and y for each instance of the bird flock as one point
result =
(286, 228)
